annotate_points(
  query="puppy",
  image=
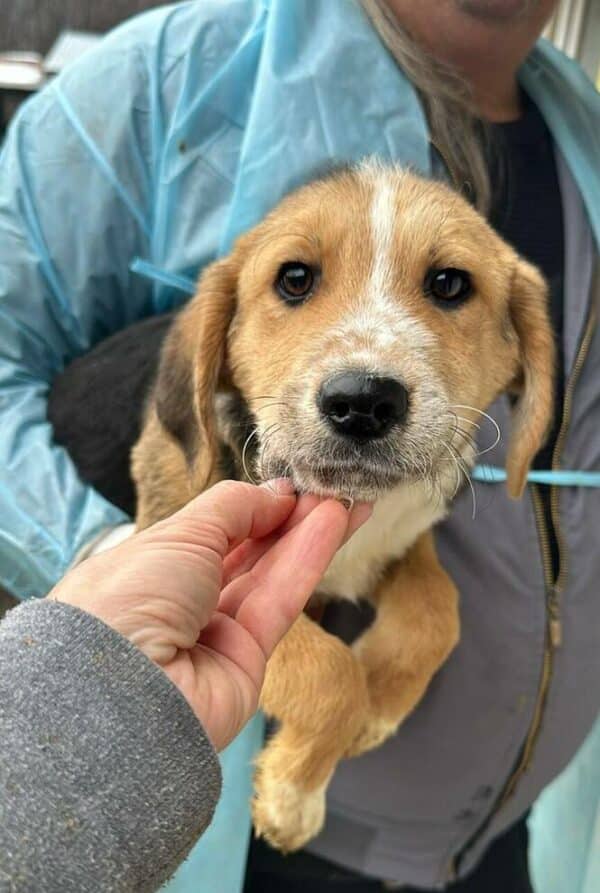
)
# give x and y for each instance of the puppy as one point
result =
(350, 342)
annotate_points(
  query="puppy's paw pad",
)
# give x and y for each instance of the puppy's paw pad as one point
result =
(287, 816)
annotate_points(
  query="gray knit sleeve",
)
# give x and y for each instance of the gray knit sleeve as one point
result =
(106, 776)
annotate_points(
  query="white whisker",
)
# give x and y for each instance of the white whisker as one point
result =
(465, 471)
(485, 415)
(456, 466)
(468, 421)
(250, 476)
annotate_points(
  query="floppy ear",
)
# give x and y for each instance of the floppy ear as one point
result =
(191, 367)
(534, 407)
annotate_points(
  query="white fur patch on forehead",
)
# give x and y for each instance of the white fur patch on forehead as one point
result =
(378, 318)
(382, 183)
(382, 219)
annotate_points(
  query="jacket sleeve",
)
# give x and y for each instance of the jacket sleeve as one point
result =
(76, 176)
(88, 184)
(107, 776)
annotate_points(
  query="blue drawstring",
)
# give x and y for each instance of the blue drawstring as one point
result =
(491, 474)
(173, 280)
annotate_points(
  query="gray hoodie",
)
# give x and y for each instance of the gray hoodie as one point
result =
(107, 778)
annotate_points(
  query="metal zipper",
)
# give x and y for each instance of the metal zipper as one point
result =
(554, 589)
(560, 441)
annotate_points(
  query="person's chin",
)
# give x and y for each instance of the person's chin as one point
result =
(497, 11)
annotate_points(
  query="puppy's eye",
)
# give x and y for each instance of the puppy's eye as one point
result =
(295, 282)
(448, 286)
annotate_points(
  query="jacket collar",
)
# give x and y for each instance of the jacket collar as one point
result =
(571, 108)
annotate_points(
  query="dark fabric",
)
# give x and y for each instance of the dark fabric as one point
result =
(527, 206)
(527, 212)
(503, 869)
(96, 405)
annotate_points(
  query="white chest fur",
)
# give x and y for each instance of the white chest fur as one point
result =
(398, 519)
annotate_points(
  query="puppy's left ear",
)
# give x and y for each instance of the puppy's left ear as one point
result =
(193, 366)
(213, 312)
(535, 385)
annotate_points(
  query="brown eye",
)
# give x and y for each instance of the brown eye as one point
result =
(295, 282)
(448, 286)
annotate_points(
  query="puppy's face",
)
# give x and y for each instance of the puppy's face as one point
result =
(364, 323)
(374, 318)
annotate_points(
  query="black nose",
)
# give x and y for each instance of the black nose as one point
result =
(362, 406)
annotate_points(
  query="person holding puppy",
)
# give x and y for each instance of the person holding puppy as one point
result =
(177, 134)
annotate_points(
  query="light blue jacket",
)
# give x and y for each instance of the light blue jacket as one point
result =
(179, 132)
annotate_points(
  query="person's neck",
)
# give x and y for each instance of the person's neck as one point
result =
(491, 72)
(488, 57)
(496, 98)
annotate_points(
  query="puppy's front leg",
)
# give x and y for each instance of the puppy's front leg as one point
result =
(416, 628)
(315, 688)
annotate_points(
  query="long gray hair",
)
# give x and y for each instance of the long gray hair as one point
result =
(455, 130)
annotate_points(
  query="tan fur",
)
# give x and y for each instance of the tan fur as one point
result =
(417, 628)
(160, 472)
(531, 417)
(368, 309)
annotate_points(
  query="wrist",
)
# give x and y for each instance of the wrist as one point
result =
(106, 539)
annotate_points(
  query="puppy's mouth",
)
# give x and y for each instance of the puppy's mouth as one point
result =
(363, 479)
(349, 468)
(342, 480)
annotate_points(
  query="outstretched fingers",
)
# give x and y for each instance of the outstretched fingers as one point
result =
(268, 598)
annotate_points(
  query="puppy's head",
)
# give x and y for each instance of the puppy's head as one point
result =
(364, 323)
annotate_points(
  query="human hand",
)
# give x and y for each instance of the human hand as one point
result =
(208, 593)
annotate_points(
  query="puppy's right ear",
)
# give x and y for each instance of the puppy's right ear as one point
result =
(191, 366)
(532, 413)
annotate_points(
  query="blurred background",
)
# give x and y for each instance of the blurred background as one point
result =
(29, 29)
(36, 38)
(575, 28)
(35, 24)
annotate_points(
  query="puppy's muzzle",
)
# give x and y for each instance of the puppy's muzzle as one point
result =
(362, 407)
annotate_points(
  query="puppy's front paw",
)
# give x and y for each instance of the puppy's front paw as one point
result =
(374, 732)
(283, 812)
(289, 817)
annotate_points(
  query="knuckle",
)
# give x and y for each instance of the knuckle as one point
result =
(229, 487)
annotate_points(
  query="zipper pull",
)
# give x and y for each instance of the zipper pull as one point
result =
(554, 621)
(452, 870)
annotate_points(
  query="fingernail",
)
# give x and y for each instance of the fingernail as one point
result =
(280, 486)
